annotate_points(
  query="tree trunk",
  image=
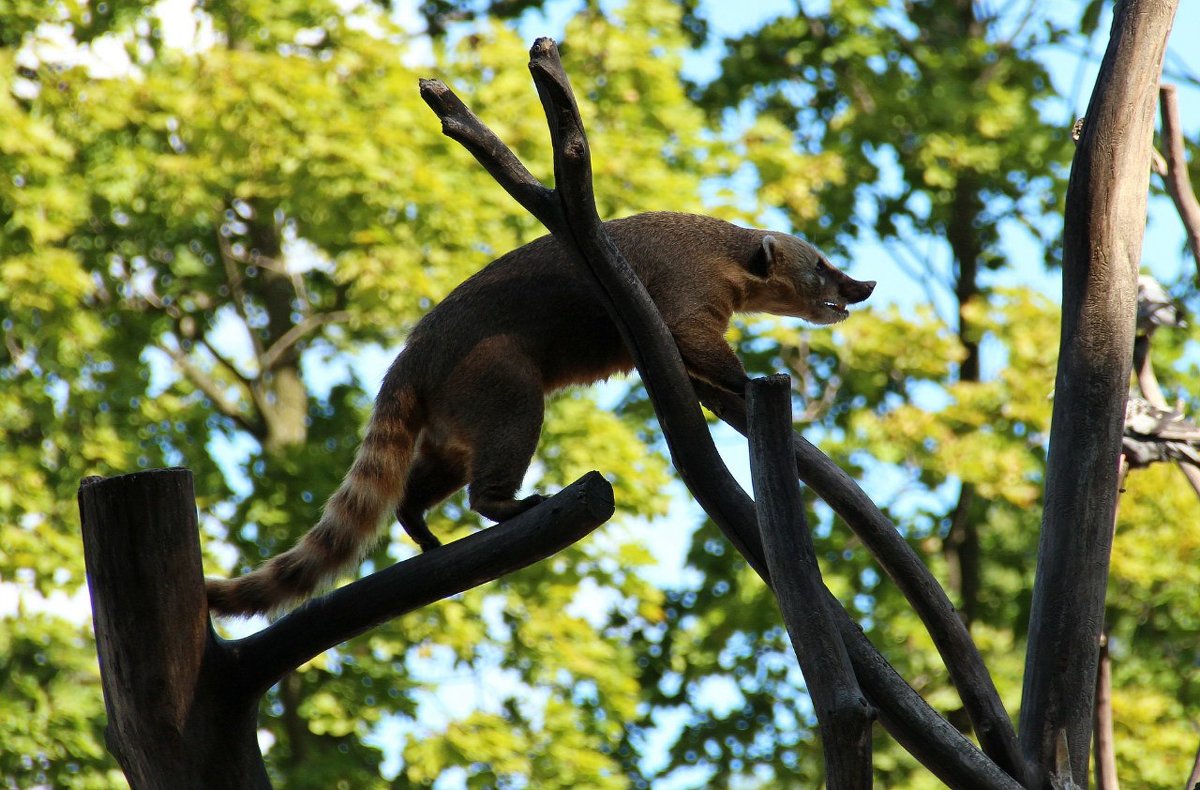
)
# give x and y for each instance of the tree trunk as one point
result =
(1102, 238)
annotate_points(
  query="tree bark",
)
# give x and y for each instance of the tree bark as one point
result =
(168, 724)
(1102, 236)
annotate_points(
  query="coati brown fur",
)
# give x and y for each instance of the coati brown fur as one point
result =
(463, 402)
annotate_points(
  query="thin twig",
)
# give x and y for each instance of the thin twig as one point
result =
(297, 333)
(237, 290)
(1106, 759)
(203, 382)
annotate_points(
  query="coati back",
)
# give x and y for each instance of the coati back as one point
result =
(463, 402)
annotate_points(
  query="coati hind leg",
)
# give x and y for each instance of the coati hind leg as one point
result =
(504, 441)
(435, 474)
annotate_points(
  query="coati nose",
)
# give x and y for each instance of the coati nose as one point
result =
(858, 290)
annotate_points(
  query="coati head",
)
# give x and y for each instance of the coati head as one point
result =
(795, 279)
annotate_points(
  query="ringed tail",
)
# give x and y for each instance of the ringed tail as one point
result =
(348, 528)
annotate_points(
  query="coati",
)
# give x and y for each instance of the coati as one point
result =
(463, 402)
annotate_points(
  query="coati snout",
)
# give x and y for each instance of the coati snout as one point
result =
(463, 402)
(801, 282)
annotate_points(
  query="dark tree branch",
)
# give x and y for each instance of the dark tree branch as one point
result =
(963, 661)
(844, 716)
(1176, 179)
(169, 724)
(571, 514)
(461, 125)
(226, 363)
(1102, 236)
(936, 743)
(661, 368)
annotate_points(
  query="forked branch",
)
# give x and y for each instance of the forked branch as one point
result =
(569, 213)
(980, 698)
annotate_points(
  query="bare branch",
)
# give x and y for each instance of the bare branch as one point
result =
(237, 289)
(211, 390)
(460, 124)
(1178, 183)
(297, 333)
(261, 659)
(936, 743)
(897, 559)
(226, 363)
(1106, 757)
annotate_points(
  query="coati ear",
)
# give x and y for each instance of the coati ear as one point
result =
(763, 260)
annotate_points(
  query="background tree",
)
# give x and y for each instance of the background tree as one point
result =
(208, 256)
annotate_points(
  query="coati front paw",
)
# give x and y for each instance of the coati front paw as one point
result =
(504, 509)
(533, 500)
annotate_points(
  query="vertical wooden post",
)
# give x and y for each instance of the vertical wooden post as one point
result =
(173, 719)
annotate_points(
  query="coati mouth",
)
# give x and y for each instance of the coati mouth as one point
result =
(837, 307)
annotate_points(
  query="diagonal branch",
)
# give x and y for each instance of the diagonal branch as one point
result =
(203, 382)
(1175, 177)
(959, 653)
(461, 125)
(226, 363)
(297, 333)
(262, 658)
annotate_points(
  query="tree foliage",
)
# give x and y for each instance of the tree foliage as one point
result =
(209, 254)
